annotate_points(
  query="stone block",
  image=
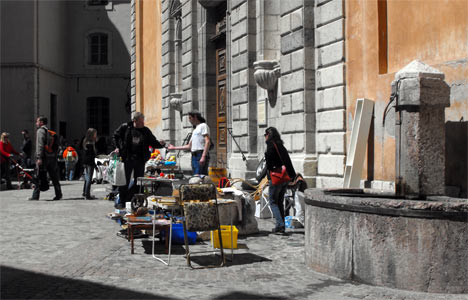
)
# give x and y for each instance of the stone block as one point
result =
(285, 24)
(331, 165)
(285, 62)
(243, 47)
(308, 21)
(328, 12)
(242, 9)
(235, 48)
(333, 120)
(234, 16)
(187, 70)
(293, 41)
(296, 19)
(244, 111)
(239, 96)
(240, 128)
(292, 123)
(236, 3)
(186, 58)
(331, 142)
(240, 62)
(236, 112)
(330, 76)
(292, 82)
(329, 33)
(271, 22)
(297, 144)
(272, 7)
(331, 98)
(297, 60)
(272, 42)
(297, 102)
(290, 5)
(332, 54)
(243, 78)
(285, 104)
(239, 30)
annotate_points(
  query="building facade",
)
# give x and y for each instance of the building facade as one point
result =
(68, 61)
(297, 65)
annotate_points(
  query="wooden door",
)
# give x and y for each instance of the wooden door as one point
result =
(221, 138)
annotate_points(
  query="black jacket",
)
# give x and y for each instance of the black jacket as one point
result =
(122, 139)
(89, 155)
(273, 160)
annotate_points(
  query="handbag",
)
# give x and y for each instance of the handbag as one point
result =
(41, 179)
(116, 172)
(280, 175)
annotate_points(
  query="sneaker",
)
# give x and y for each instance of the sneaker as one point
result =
(57, 198)
(33, 199)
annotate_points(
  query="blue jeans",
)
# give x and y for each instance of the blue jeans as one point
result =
(276, 199)
(88, 173)
(69, 169)
(197, 168)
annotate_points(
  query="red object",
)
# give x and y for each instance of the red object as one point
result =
(6, 149)
(161, 174)
(223, 182)
(279, 176)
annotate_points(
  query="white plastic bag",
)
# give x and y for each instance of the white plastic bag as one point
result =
(116, 172)
(119, 174)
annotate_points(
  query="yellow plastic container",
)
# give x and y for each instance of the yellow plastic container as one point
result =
(225, 236)
(216, 174)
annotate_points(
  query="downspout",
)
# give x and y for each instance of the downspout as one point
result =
(36, 62)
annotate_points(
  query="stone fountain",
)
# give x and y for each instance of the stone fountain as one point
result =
(415, 238)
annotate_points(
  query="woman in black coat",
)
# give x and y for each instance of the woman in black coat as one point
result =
(276, 155)
(89, 154)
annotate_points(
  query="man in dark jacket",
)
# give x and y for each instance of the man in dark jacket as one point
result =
(132, 141)
(26, 149)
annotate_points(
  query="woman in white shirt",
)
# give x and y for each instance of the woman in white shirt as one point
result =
(199, 144)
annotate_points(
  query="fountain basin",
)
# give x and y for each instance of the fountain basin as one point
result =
(418, 245)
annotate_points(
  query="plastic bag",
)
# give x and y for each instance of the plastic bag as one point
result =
(116, 172)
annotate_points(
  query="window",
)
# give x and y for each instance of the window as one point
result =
(98, 49)
(97, 2)
(97, 109)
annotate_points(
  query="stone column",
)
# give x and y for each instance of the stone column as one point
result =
(422, 97)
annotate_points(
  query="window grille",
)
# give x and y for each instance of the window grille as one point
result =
(97, 109)
(98, 49)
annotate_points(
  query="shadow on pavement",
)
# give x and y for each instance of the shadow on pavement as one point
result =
(245, 296)
(21, 284)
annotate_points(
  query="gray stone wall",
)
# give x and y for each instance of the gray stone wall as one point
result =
(296, 111)
(330, 92)
(243, 89)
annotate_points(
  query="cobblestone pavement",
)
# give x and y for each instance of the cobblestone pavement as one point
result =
(69, 249)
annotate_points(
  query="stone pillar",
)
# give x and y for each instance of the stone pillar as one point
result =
(422, 97)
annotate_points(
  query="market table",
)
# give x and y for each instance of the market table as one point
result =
(152, 224)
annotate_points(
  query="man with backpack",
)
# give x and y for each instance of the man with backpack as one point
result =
(46, 157)
(70, 157)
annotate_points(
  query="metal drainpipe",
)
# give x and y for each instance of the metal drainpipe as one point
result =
(36, 90)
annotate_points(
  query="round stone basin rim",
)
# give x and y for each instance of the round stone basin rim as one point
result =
(445, 208)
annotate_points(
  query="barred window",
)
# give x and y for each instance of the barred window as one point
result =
(98, 49)
(97, 109)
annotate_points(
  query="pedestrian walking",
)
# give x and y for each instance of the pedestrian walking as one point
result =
(6, 151)
(70, 156)
(26, 150)
(132, 141)
(199, 144)
(89, 154)
(46, 157)
(276, 156)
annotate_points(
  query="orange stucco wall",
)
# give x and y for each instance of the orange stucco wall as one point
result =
(148, 61)
(432, 31)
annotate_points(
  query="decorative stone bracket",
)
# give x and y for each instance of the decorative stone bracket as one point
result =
(266, 75)
(175, 101)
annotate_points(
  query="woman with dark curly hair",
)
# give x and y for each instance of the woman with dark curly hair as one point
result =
(276, 156)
